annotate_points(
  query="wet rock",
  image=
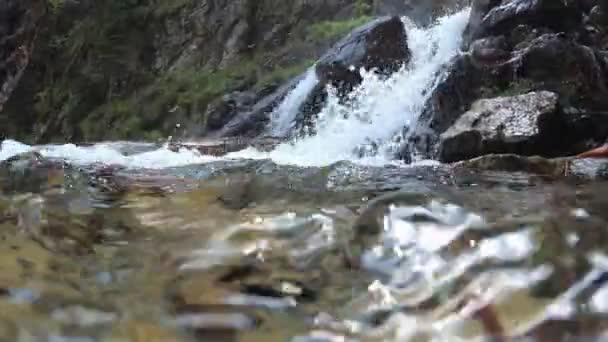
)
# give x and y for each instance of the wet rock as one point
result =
(380, 45)
(465, 81)
(491, 17)
(370, 220)
(549, 62)
(369, 225)
(521, 124)
(598, 15)
(253, 122)
(556, 63)
(80, 315)
(221, 111)
(580, 168)
(594, 169)
(215, 322)
(490, 49)
(18, 24)
(313, 105)
(584, 326)
(520, 46)
(31, 172)
(516, 163)
(221, 147)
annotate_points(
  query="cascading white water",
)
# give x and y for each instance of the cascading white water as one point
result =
(284, 116)
(378, 109)
(375, 112)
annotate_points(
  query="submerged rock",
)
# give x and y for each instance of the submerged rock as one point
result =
(515, 163)
(581, 168)
(31, 172)
(520, 124)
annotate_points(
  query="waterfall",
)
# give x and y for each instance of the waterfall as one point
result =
(283, 118)
(379, 108)
(374, 113)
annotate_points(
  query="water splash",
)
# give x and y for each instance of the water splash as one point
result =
(284, 116)
(10, 148)
(379, 109)
(151, 157)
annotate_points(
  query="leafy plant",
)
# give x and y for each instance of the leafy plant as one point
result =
(363, 8)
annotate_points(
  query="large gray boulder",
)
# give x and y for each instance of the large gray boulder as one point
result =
(379, 45)
(515, 47)
(492, 17)
(520, 124)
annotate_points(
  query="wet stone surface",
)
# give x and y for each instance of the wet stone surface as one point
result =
(252, 251)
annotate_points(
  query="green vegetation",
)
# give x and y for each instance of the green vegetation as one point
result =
(94, 63)
(184, 93)
(96, 76)
(281, 74)
(363, 8)
(327, 30)
(330, 30)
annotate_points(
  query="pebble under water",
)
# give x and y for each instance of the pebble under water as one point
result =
(249, 250)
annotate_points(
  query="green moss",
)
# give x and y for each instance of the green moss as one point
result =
(326, 30)
(363, 8)
(99, 83)
(281, 74)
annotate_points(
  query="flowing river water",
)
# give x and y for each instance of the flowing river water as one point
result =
(313, 241)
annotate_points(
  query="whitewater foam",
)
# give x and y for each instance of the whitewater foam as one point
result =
(109, 154)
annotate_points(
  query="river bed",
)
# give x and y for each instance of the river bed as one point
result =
(248, 250)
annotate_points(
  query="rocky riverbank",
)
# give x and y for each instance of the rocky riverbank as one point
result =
(532, 81)
(101, 70)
